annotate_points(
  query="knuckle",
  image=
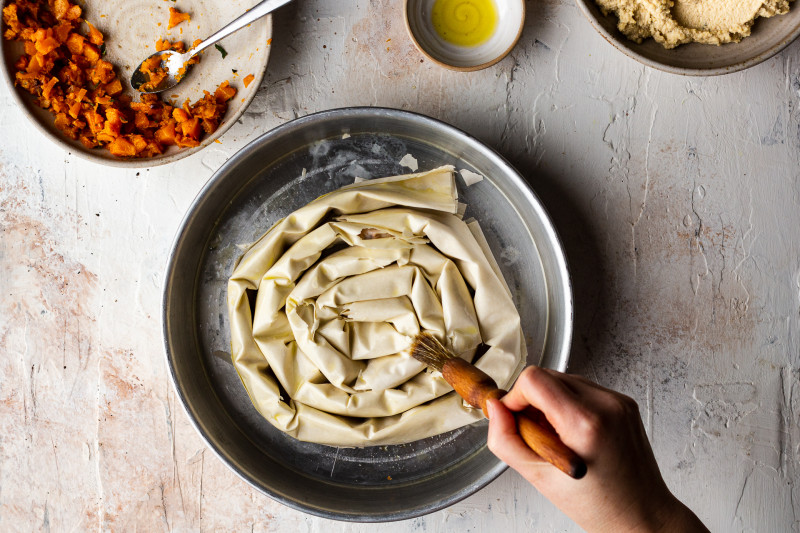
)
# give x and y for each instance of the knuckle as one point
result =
(591, 426)
(597, 422)
(616, 408)
(622, 407)
(530, 376)
(631, 405)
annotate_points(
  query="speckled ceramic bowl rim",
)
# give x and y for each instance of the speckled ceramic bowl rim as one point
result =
(87, 155)
(454, 67)
(736, 67)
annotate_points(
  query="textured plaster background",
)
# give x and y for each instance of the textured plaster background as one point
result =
(678, 200)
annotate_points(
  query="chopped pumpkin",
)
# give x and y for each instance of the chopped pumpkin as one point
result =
(248, 80)
(155, 72)
(91, 52)
(63, 70)
(224, 92)
(165, 135)
(75, 43)
(163, 44)
(95, 37)
(176, 17)
(122, 147)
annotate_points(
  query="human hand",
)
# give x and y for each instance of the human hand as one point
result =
(623, 489)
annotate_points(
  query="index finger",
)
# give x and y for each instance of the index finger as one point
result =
(547, 392)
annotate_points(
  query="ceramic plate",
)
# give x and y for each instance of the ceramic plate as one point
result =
(131, 29)
(769, 36)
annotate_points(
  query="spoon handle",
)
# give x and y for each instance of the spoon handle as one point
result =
(256, 12)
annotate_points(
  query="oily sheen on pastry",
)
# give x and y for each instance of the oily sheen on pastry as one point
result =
(324, 306)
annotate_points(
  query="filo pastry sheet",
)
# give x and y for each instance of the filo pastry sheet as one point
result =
(342, 286)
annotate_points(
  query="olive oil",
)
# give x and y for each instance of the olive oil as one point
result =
(464, 22)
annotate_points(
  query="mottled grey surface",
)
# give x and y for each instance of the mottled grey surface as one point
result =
(678, 200)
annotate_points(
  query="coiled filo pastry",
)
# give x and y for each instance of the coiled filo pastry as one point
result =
(343, 286)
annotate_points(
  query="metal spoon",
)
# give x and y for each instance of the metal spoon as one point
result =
(173, 61)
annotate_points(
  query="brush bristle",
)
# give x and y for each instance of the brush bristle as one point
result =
(427, 349)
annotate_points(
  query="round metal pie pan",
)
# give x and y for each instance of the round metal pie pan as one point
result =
(279, 172)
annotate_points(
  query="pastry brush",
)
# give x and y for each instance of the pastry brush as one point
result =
(476, 387)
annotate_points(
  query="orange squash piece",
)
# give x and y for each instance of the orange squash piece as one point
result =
(75, 43)
(60, 8)
(48, 87)
(176, 17)
(224, 92)
(180, 115)
(122, 147)
(91, 52)
(113, 88)
(166, 134)
(95, 37)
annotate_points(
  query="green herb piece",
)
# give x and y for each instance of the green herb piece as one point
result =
(103, 49)
(221, 50)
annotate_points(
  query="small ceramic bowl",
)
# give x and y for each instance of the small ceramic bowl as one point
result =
(769, 36)
(510, 19)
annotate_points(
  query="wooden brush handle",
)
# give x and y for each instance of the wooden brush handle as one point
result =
(476, 387)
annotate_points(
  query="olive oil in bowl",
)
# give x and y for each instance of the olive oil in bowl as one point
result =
(464, 22)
